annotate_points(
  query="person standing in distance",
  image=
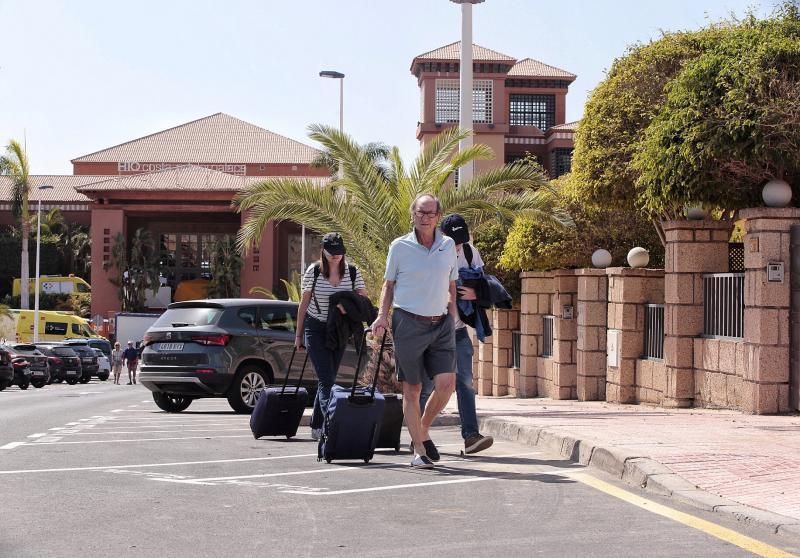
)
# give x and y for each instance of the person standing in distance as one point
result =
(419, 286)
(131, 358)
(455, 226)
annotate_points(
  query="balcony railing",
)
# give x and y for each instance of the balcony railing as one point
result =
(653, 331)
(547, 337)
(516, 342)
(723, 304)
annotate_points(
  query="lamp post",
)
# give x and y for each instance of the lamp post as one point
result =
(465, 113)
(331, 74)
(38, 250)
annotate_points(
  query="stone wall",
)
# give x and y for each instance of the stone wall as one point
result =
(537, 293)
(719, 370)
(592, 315)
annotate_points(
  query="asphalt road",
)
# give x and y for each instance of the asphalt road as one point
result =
(99, 470)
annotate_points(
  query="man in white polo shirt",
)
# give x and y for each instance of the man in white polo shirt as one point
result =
(419, 286)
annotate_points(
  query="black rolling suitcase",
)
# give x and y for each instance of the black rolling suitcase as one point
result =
(353, 418)
(278, 410)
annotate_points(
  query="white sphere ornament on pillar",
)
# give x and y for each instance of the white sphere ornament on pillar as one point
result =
(638, 257)
(601, 258)
(777, 193)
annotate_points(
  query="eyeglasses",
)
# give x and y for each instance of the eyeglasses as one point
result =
(429, 214)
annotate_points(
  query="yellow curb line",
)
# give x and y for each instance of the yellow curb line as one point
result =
(751, 545)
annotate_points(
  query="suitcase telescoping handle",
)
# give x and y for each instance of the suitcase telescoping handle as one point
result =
(377, 364)
(289, 369)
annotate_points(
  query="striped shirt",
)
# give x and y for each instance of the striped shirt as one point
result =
(324, 290)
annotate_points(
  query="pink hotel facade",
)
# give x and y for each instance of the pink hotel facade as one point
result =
(178, 183)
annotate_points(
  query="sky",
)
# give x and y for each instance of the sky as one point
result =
(80, 76)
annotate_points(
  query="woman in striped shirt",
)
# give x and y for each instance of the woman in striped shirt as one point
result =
(322, 279)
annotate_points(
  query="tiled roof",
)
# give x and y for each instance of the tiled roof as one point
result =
(568, 127)
(453, 52)
(528, 67)
(181, 179)
(219, 138)
(63, 188)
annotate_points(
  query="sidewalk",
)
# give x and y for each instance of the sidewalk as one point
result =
(723, 461)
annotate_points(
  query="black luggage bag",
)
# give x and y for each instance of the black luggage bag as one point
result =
(278, 410)
(353, 418)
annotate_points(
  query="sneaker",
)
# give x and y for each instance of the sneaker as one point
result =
(430, 449)
(316, 434)
(421, 462)
(476, 443)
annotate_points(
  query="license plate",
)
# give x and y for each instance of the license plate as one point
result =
(38, 373)
(88, 360)
(72, 372)
(170, 346)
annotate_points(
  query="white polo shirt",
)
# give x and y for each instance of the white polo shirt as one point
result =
(422, 277)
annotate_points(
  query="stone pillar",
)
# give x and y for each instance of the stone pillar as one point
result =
(592, 319)
(537, 288)
(503, 323)
(628, 291)
(766, 313)
(693, 249)
(106, 224)
(565, 335)
(485, 370)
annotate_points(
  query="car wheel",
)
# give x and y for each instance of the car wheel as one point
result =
(24, 385)
(102, 377)
(85, 379)
(171, 403)
(38, 385)
(72, 381)
(3, 386)
(246, 388)
(58, 380)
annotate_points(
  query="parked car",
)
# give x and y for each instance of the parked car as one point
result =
(229, 348)
(95, 343)
(89, 365)
(64, 363)
(37, 362)
(22, 369)
(6, 369)
(104, 365)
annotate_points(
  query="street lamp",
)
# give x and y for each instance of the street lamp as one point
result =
(38, 249)
(332, 75)
(465, 114)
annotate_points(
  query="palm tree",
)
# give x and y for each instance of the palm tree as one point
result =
(377, 151)
(15, 164)
(371, 208)
(137, 269)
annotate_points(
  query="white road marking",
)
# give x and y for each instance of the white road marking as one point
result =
(163, 431)
(48, 440)
(37, 435)
(392, 487)
(71, 423)
(13, 445)
(148, 465)
(116, 411)
(146, 440)
(56, 428)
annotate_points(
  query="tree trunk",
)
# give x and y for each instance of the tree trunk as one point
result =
(24, 268)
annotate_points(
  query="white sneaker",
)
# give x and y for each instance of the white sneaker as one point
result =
(316, 434)
(422, 462)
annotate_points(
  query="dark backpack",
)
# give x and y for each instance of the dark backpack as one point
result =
(318, 270)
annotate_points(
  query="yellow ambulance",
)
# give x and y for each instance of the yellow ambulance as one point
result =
(53, 326)
(54, 284)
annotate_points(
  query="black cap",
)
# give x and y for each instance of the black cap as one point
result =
(456, 228)
(333, 244)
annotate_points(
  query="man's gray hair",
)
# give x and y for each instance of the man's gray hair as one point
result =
(413, 206)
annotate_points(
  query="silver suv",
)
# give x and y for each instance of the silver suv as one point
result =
(229, 348)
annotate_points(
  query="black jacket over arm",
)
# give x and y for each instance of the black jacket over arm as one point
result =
(340, 326)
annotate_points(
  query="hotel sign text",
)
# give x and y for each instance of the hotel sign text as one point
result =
(133, 168)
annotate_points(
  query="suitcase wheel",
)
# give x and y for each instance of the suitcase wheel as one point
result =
(288, 437)
(328, 460)
(397, 449)
(366, 461)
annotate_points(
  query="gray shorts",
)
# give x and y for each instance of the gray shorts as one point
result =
(422, 347)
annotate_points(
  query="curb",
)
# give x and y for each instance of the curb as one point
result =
(637, 470)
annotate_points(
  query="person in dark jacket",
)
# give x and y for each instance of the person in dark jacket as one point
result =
(354, 310)
(131, 357)
(470, 264)
(321, 281)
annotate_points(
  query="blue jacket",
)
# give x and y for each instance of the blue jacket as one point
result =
(489, 292)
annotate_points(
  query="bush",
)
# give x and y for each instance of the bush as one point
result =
(490, 239)
(79, 304)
